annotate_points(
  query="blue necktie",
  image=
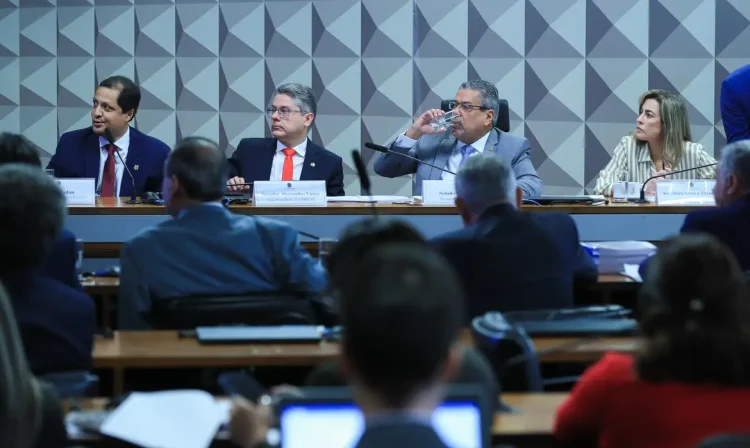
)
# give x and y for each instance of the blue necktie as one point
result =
(466, 150)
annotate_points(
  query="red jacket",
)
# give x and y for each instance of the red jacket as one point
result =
(611, 408)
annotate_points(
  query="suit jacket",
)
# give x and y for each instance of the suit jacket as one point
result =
(209, 250)
(254, 157)
(509, 262)
(404, 434)
(61, 261)
(57, 323)
(437, 149)
(78, 154)
(735, 104)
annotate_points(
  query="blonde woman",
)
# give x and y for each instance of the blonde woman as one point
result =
(30, 412)
(660, 144)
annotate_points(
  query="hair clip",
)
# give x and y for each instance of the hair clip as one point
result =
(696, 305)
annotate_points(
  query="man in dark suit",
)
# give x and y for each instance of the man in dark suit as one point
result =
(62, 258)
(57, 323)
(735, 104)
(472, 132)
(509, 260)
(730, 220)
(289, 155)
(86, 153)
(206, 249)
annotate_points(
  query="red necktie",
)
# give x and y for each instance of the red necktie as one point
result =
(108, 176)
(287, 172)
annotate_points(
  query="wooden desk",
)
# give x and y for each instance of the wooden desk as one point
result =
(530, 426)
(165, 349)
(112, 221)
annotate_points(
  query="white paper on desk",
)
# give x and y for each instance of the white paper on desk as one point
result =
(631, 270)
(169, 419)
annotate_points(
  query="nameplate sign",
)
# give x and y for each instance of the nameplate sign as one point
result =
(685, 192)
(439, 192)
(299, 193)
(78, 191)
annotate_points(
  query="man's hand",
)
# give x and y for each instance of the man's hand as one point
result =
(232, 184)
(249, 423)
(422, 124)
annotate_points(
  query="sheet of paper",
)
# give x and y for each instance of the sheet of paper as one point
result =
(169, 419)
(631, 270)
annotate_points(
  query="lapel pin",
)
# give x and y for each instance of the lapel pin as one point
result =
(492, 149)
(312, 164)
(135, 167)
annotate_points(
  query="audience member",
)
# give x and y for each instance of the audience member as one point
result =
(690, 378)
(509, 260)
(57, 322)
(31, 414)
(61, 261)
(735, 104)
(206, 249)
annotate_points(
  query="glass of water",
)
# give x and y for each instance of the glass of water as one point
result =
(444, 121)
(620, 186)
(325, 247)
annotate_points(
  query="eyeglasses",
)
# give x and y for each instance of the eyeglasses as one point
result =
(283, 112)
(467, 107)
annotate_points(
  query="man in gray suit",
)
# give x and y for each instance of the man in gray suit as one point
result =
(472, 133)
(206, 249)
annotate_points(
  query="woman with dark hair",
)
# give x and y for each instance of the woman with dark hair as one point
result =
(690, 377)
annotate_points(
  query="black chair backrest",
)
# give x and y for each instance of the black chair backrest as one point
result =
(726, 441)
(267, 308)
(502, 114)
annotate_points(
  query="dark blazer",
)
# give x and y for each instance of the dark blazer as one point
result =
(735, 104)
(210, 250)
(78, 154)
(404, 434)
(254, 157)
(61, 261)
(507, 261)
(57, 323)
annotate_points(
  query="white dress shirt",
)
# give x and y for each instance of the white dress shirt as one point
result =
(277, 167)
(123, 143)
(454, 161)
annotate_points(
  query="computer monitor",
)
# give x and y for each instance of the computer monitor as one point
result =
(332, 420)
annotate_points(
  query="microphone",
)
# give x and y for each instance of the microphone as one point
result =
(642, 199)
(110, 138)
(385, 150)
(364, 179)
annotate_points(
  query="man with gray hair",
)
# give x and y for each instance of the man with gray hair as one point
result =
(471, 132)
(289, 154)
(510, 260)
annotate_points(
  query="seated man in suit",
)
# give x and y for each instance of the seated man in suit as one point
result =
(401, 307)
(289, 155)
(472, 133)
(86, 153)
(206, 249)
(62, 258)
(735, 104)
(57, 322)
(730, 220)
(509, 260)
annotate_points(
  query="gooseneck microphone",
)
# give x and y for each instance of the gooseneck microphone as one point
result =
(385, 150)
(364, 179)
(642, 199)
(110, 138)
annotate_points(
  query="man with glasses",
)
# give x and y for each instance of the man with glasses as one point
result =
(471, 132)
(289, 155)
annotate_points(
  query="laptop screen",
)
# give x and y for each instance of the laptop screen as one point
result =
(340, 425)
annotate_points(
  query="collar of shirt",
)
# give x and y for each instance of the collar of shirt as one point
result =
(477, 145)
(301, 148)
(123, 143)
(642, 153)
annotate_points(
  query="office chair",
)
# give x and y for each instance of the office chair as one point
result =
(726, 441)
(502, 113)
(260, 308)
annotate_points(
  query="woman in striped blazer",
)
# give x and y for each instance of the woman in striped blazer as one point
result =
(660, 144)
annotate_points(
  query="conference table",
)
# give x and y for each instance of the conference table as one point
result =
(529, 426)
(123, 350)
(105, 226)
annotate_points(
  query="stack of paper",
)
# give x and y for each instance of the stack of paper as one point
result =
(383, 199)
(614, 255)
(179, 419)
